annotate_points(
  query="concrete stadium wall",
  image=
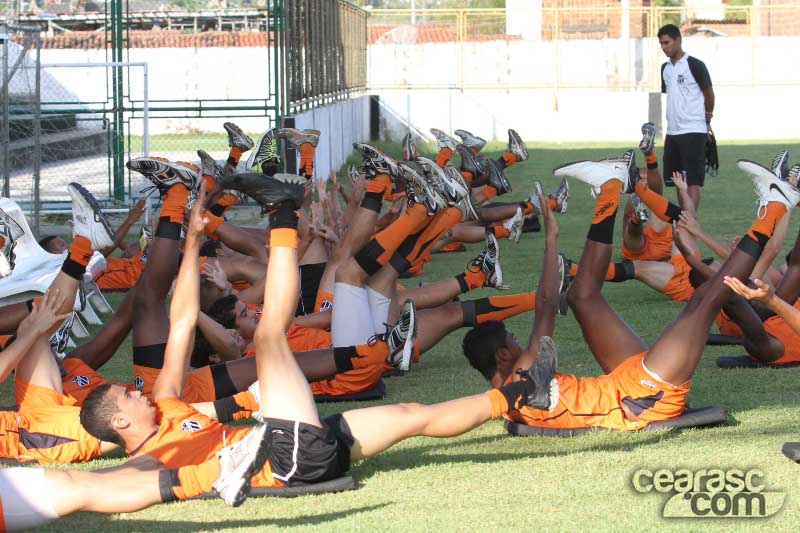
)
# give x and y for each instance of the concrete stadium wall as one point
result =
(341, 123)
(743, 111)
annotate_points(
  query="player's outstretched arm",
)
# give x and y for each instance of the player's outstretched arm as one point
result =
(765, 294)
(42, 318)
(184, 309)
(547, 295)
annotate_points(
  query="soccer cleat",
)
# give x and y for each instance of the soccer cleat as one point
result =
(443, 140)
(542, 389)
(297, 137)
(769, 188)
(400, 338)
(463, 199)
(409, 147)
(209, 167)
(269, 191)
(60, 339)
(164, 174)
(88, 220)
(10, 232)
(516, 146)
(445, 181)
(565, 280)
(352, 172)
(640, 210)
(471, 141)
(419, 189)
(780, 164)
(266, 151)
(491, 264)
(239, 462)
(561, 195)
(497, 178)
(793, 176)
(514, 225)
(469, 163)
(375, 161)
(648, 142)
(595, 173)
(534, 197)
(237, 138)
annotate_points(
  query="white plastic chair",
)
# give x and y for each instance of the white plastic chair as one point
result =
(34, 270)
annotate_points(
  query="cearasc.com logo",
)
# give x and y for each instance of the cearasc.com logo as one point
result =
(710, 493)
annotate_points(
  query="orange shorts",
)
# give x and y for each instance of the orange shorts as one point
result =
(350, 382)
(121, 272)
(597, 402)
(198, 385)
(678, 287)
(779, 329)
(81, 379)
(727, 326)
(49, 429)
(657, 245)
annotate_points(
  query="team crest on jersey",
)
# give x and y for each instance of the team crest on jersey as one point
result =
(191, 425)
(80, 381)
(681, 79)
(138, 382)
(325, 305)
(647, 383)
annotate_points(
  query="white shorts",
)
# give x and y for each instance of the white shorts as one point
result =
(25, 499)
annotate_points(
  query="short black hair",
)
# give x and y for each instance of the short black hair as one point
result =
(209, 248)
(223, 311)
(96, 413)
(480, 346)
(44, 241)
(670, 30)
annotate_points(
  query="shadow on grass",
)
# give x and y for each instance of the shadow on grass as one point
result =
(101, 522)
(402, 459)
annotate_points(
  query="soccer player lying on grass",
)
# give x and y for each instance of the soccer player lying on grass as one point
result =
(44, 427)
(645, 238)
(301, 448)
(769, 334)
(32, 497)
(670, 278)
(641, 385)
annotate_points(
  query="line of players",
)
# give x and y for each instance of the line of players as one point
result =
(179, 450)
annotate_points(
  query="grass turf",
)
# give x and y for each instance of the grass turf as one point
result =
(486, 479)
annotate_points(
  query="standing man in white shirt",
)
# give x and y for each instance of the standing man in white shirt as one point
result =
(690, 106)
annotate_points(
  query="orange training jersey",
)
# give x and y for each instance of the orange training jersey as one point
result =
(187, 437)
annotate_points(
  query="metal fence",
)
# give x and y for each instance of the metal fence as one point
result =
(124, 78)
(325, 52)
(572, 47)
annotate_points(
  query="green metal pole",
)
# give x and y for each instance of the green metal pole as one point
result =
(118, 136)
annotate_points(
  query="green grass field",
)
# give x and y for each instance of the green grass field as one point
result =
(488, 480)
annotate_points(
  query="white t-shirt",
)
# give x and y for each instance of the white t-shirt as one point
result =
(684, 83)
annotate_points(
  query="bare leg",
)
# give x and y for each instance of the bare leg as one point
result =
(11, 316)
(674, 355)
(285, 393)
(694, 194)
(377, 428)
(102, 346)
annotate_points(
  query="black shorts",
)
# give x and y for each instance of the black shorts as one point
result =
(685, 152)
(310, 278)
(302, 454)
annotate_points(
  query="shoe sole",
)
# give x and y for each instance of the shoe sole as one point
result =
(408, 346)
(251, 160)
(547, 360)
(95, 206)
(520, 144)
(497, 269)
(262, 454)
(235, 131)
